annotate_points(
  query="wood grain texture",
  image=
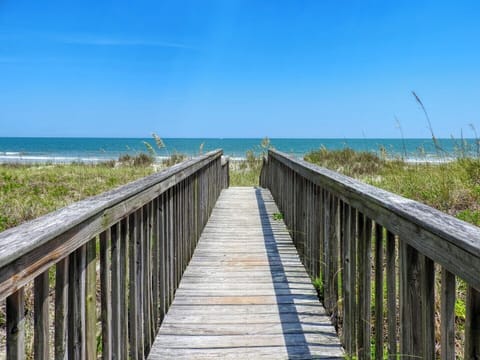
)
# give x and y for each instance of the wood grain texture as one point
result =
(91, 300)
(41, 317)
(447, 316)
(245, 293)
(16, 325)
(61, 309)
(378, 291)
(472, 325)
(107, 308)
(391, 295)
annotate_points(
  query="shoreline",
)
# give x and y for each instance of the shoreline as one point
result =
(17, 159)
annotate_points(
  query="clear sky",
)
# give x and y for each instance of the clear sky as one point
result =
(231, 68)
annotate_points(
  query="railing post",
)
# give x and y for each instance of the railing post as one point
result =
(472, 324)
(16, 325)
(41, 314)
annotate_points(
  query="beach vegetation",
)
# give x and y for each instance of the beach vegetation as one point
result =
(247, 172)
(174, 158)
(277, 216)
(29, 191)
(139, 160)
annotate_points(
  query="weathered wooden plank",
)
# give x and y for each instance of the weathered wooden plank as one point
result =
(277, 328)
(124, 288)
(155, 266)
(107, 309)
(162, 275)
(91, 300)
(41, 321)
(391, 295)
(170, 256)
(256, 339)
(346, 282)
(139, 279)
(253, 299)
(378, 291)
(196, 314)
(364, 286)
(264, 352)
(411, 341)
(147, 280)
(472, 325)
(427, 284)
(133, 286)
(61, 309)
(447, 316)
(116, 290)
(15, 309)
(76, 298)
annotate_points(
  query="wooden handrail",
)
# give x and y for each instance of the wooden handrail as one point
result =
(337, 222)
(145, 231)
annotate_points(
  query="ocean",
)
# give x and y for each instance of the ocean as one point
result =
(65, 150)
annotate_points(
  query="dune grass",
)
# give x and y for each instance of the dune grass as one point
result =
(452, 187)
(29, 191)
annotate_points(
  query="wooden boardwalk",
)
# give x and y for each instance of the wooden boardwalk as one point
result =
(245, 293)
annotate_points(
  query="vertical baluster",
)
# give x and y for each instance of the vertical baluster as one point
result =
(472, 325)
(124, 287)
(341, 262)
(316, 233)
(162, 257)
(107, 305)
(391, 295)
(90, 300)
(16, 325)
(176, 262)
(146, 279)
(447, 316)
(41, 327)
(133, 285)
(61, 309)
(326, 248)
(364, 285)
(428, 307)
(114, 316)
(378, 291)
(411, 343)
(321, 243)
(333, 259)
(139, 278)
(349, 277)
(155, 265)
(171, 244)
(76, 298)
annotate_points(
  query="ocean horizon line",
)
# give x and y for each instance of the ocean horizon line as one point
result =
(64, 149)
(238, 138)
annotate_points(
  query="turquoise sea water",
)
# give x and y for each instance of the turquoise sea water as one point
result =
(98, 149)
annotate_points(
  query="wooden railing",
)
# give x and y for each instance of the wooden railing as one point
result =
(140, 236)
(351, 235)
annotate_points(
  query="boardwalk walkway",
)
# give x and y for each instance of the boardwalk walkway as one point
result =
(245, 294)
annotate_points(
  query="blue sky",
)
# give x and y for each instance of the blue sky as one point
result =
(230, 68)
